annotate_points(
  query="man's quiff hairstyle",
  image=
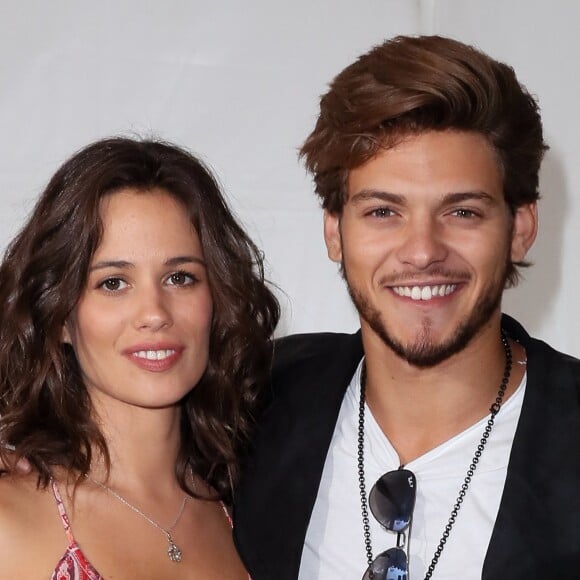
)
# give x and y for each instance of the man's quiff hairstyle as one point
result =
(409, 85)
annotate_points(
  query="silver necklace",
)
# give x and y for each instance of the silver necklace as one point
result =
(494, 410)
(173, 551)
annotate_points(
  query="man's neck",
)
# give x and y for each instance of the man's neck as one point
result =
(420, 408)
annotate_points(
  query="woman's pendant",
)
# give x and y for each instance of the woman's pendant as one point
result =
(173, 551)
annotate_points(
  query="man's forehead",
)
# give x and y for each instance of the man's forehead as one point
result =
(438, 163)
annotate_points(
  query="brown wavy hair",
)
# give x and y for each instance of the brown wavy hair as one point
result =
(44, 408)
(409, 85)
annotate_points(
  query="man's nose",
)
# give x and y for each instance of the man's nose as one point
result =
(423, 243)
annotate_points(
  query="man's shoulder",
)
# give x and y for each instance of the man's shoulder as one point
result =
(296, 348)
(572, 362)
(570, 367)
(562, 368)
(301, 356)
(545, 356)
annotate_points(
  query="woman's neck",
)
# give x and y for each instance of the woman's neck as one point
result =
(143, 447)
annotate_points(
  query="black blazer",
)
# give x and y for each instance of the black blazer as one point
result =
(537, 531)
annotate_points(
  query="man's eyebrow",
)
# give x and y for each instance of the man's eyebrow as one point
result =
(376, 194)
(469, 196)
(398, 199)
(124, 264)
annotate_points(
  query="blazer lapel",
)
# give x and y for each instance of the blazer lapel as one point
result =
(272, 513)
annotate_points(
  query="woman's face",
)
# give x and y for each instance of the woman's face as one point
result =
(141, 328)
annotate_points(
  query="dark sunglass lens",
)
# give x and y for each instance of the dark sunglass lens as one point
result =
(390, 565)
(392, 499)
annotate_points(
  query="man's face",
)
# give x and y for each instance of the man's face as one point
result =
(425, 238)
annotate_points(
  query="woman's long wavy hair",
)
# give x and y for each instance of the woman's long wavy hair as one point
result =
(45, 409)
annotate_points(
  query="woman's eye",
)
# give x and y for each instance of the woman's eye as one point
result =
(180, 279)
(113, 284)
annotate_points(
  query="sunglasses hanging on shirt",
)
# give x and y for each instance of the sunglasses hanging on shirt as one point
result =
(392, 501)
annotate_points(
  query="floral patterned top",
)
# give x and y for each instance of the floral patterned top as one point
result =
(73, 565)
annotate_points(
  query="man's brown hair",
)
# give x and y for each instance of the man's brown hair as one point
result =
(409, 85)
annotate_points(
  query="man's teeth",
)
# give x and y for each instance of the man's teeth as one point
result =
(154, 354)
(424, 292)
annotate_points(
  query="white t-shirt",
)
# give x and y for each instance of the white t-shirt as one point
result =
(334, 547)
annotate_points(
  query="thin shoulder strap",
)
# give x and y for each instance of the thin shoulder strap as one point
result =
(231, 521)
(227, 514)
(62, 512)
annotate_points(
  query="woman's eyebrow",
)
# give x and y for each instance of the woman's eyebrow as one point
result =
(122, 264)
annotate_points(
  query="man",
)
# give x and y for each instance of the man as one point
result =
(426, 156)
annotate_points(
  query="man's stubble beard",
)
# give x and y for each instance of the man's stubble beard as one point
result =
(423, 353)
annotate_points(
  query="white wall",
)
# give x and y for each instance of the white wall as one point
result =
(238, 83)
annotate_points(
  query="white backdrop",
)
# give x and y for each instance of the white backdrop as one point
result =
(237, 82)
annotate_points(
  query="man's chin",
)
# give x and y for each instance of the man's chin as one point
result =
(430, 345)
(422, 351)
(426, 355)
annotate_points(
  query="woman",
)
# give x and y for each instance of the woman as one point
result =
(135, 334)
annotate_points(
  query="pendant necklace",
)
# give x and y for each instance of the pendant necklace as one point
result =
(173, 551)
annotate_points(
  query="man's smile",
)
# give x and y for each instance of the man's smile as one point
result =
(428, 292)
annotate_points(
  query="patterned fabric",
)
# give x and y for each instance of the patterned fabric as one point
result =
(73, 565)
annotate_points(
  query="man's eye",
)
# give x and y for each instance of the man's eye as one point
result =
(382, 212)
(464, 213)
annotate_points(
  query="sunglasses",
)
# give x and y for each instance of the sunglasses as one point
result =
(392, 500)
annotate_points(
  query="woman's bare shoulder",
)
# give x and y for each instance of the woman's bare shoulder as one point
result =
(20, 498)
(17, 491)
(26, 517)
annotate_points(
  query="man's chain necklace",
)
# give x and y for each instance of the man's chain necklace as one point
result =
(494, 410)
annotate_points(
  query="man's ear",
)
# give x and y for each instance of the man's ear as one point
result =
(525, 229)
(332, 236)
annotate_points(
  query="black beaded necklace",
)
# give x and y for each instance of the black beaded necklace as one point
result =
(494, 410)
